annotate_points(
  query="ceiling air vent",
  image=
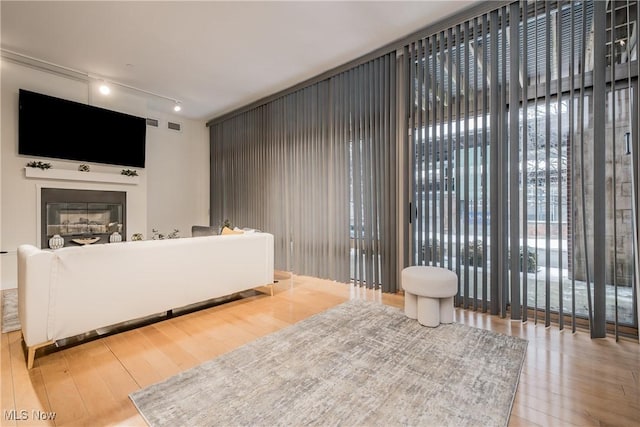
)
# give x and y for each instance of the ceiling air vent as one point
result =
(152, 122)
(174, 126)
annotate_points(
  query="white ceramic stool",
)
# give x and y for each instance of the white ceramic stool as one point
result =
(428, 294)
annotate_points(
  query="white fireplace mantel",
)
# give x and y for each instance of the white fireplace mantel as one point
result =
(71, 175)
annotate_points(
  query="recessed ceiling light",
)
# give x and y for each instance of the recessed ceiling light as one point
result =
(104, 89)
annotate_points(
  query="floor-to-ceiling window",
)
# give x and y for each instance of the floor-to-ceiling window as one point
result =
(519, 128)
(317, 169)
(514, 130)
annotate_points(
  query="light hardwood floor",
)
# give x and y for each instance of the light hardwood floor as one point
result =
(567, 379)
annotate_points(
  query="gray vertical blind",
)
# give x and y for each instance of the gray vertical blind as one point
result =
(519, 130)
(317, 168)
(518, 120)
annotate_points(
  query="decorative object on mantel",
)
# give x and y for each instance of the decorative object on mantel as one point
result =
(136, 237)
(159, 236)
(115, 237)
(84, 168)
(39, 165)
(129, 172)
(75, 175)
(56, 242)
(86, 240)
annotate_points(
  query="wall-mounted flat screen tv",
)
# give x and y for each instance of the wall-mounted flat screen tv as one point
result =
(62, 129)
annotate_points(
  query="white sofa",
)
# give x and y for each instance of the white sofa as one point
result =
(74, 290)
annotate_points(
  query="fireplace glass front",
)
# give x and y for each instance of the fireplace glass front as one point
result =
(80, 219)
(78, 215)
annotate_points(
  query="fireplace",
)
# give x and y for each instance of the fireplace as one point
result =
(82, 216)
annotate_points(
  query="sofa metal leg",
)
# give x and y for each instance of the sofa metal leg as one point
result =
(31, 355)
(31, 352)
(271, 285)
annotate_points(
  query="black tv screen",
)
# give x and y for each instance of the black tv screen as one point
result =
(62, 129)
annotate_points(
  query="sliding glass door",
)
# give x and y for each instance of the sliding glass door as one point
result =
(557, 259)
(520, 161)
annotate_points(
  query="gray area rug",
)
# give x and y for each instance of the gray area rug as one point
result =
(10, 320)
(360, 363)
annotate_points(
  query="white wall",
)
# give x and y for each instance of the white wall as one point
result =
(177, 176)
(173, 189)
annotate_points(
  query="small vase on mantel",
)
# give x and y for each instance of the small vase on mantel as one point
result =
(56, 242)
(115, 237)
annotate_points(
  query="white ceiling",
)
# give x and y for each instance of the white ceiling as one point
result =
(213, 56)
